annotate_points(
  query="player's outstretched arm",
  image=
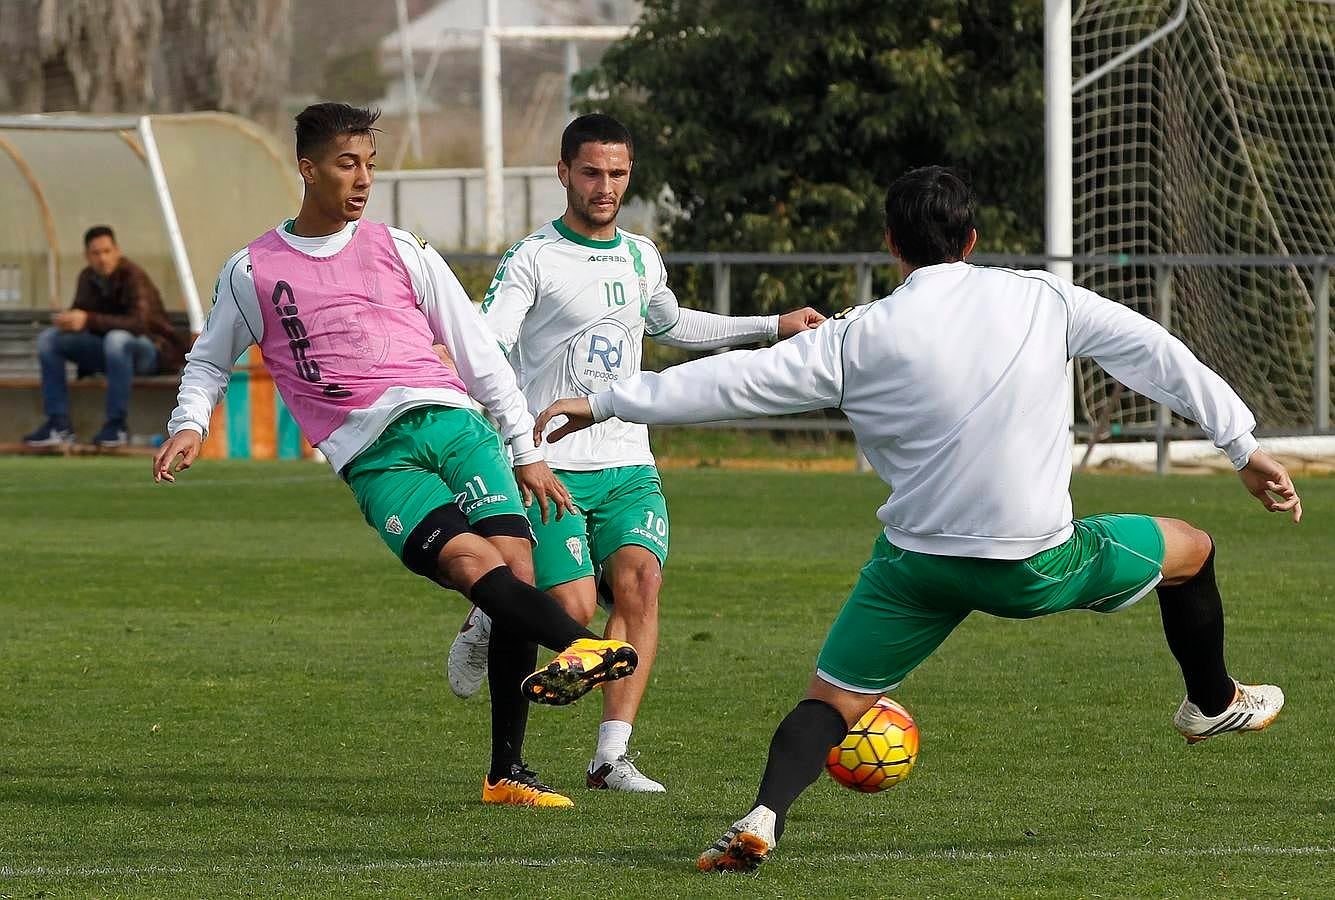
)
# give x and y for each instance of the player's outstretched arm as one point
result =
(1268, 481)
(177, 454)
(1145, 357)
(797, 375)
(697, 330)
(208, 367)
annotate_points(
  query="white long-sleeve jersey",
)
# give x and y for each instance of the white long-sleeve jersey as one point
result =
(955, 386)
(572, 314)
(235, 323)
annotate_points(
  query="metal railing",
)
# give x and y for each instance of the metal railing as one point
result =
(1318, 268)
(447, 206)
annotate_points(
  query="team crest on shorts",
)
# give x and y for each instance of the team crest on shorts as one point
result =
(576, 548)
(393, 525)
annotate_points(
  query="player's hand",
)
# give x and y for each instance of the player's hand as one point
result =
(183, 444)
(70, 320)
(1269, 482)
(578, 415)
(797, 321)
(538, 482)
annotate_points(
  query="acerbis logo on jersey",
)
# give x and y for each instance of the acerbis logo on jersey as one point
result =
(608, 258)
(600, 353)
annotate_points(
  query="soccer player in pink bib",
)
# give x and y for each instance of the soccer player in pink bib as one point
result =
(347, 313)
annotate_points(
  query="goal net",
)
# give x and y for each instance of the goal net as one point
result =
(1216, 138)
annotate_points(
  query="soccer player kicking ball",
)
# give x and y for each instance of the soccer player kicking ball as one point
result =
(571, 304)
(346, 313)
(971, 434)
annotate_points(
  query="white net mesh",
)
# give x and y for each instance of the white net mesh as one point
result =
(1216, 139)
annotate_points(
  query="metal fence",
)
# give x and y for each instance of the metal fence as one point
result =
(1314, 270)
(446, 206)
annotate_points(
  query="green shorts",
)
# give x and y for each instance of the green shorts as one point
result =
(618, 507)
(427, 458)
(905, 604)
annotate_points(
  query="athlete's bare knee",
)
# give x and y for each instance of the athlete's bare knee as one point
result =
(850, 704)
(578, 598)
(635, 576)
(518, 555)
(1186, 549)
(635, 591)
(467, 557)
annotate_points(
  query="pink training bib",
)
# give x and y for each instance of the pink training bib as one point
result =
(341, 330)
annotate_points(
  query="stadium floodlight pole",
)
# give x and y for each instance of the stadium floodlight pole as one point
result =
(493, 148)
(572, 69)
(1058, 154)
(184, 274)
(409, 82)
(492, 143)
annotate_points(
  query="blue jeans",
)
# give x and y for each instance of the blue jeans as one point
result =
(120, 354)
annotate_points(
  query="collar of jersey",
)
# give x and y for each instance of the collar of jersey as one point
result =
(576, 238)
(290, 226)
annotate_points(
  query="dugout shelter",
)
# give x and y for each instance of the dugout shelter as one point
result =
(182, 192)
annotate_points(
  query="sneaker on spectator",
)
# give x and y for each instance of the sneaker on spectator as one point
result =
(55, 432)
(112, 434)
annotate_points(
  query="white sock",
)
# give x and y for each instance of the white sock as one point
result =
(613, 741)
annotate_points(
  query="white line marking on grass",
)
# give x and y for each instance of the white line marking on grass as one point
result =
(410, 865)
(147, 483)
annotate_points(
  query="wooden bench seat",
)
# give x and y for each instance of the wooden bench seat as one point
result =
(19, 368)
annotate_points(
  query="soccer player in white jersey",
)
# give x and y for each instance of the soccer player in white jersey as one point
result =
(346, 313)
(571, 304)
(970, 433)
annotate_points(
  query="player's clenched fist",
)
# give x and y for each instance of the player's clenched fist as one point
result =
(798, 321)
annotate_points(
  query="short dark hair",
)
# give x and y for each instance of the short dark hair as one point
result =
(596, 128)
(929, 213)
(96, 232)
(320, 123)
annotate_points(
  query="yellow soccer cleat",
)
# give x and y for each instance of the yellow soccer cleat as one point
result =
(578, 669)
(523, 788)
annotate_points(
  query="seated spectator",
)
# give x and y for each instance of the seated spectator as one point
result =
(117, 325)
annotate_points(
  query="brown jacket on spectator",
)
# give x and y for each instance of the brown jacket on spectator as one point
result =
(129, 300)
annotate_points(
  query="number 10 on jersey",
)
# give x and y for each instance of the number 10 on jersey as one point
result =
(613, 291)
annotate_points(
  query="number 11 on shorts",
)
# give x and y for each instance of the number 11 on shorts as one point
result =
(476, 487)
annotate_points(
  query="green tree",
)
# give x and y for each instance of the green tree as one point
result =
(777, 126)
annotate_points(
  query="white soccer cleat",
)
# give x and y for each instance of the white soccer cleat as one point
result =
(744, 846)
(466, 666)
(621, 775)
(1253, 708)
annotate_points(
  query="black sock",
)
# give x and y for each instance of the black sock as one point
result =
(797, 755)
(1193, 622)
(535, 616)
(510, 658)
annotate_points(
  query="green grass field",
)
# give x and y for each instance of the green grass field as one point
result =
(228, 687)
